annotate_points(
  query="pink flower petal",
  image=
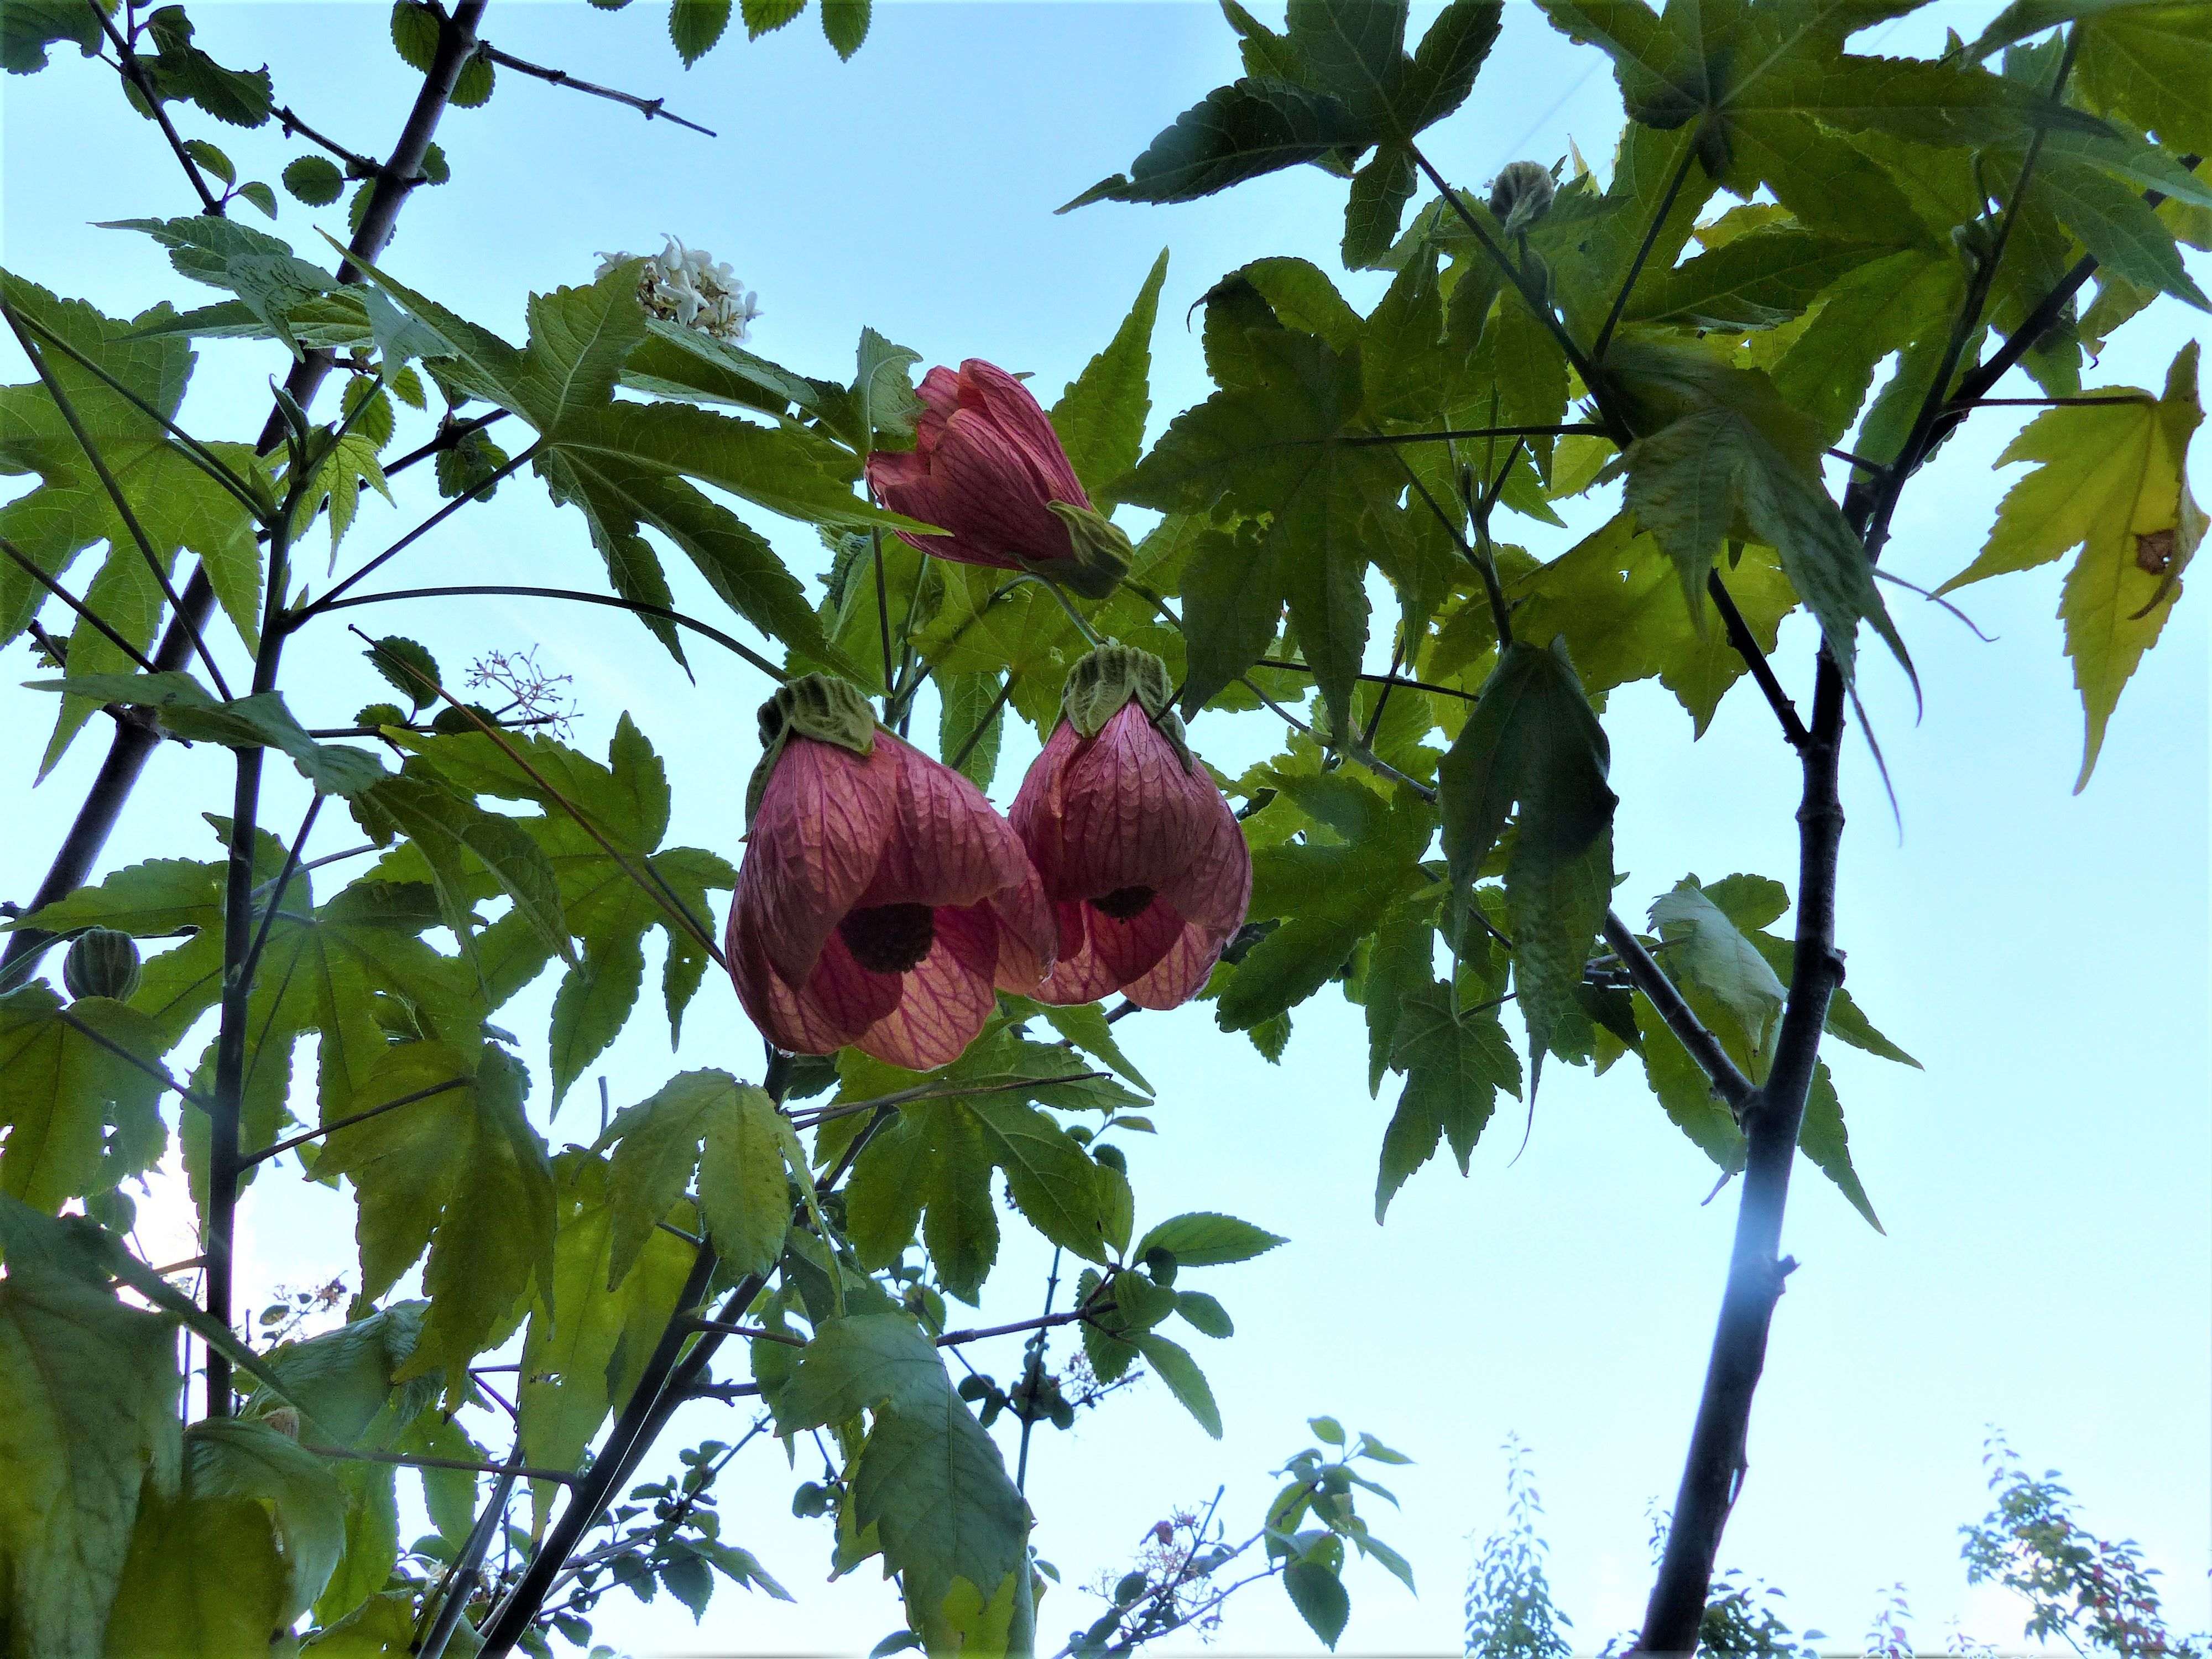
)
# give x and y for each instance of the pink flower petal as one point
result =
(947, 845)
(1013, 409)
(1181, 974)
(815, 846)
(1081, 975)
(993, 491)
(1130, 947)
(943, 999)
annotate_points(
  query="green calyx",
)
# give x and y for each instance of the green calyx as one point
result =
(1109, 677)
(812, 706)
(1099, 552)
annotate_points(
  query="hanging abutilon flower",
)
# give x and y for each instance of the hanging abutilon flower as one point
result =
(882, 900)
(1145, 863)
(987, 466)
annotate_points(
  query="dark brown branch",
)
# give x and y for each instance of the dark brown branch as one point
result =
(134, 72)
(38, 575)
(127, 754)
(360, 166)
(346, 1122)
(1713, 1472)
(651, 108)
(1762, 671)
(1729, 1083)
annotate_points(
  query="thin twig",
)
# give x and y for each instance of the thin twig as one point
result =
(1367, 440)
(252, 1159)
(283, 880)
(1643, 253)
(1729, 1083)
(450, 433)
(1529, 291)
(127, 63)
(651, 108)
(1762, 671)
(923, 1092)
(968, 747)
(54, 587)
(754, 1333)
(151, 1069)
(330, 602)
(1047, 1321)
(423, 1460)
(359, 166)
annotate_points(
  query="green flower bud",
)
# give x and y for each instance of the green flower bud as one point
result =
(103, 963)
(1521, 194)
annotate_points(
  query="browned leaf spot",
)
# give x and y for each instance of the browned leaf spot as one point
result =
(2155, 552)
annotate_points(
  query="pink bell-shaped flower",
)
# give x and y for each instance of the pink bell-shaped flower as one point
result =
(882, 902)
(1145, 863)
(987, 466)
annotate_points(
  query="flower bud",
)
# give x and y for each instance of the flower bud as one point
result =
(1520, 193)
(103, 963)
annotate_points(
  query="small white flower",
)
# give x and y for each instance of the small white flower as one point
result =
(689, 287)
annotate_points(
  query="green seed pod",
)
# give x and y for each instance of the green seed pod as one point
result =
(103, 963)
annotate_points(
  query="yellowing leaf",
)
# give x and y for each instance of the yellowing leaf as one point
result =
(2113, 483)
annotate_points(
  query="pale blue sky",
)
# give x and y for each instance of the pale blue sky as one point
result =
(2048, 1266)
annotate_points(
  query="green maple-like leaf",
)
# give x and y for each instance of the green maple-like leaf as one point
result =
(928, 1479)
(609, 900)
(1618, 602)
(2112, 481)
(178, 505)
(1455, 1062)
(1253, 126)
(934, 1165)
(593, 1330)
(626, 464)
(88, 1421)
(80, 1117)
(1532, 741)
(1278, 448)
(462, 1173)
(1328, 891)
(1101, 417)
(729, 1132)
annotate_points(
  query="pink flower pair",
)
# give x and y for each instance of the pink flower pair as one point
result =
(882, 901)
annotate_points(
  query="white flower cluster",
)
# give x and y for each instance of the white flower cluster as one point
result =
(687, 287)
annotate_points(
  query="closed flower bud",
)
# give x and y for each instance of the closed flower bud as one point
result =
(881, 902)
(1145, 863)
(988, 467)
(1520, 193)
(103, 963)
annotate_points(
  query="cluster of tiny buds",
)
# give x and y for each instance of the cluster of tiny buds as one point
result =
(686, 286)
